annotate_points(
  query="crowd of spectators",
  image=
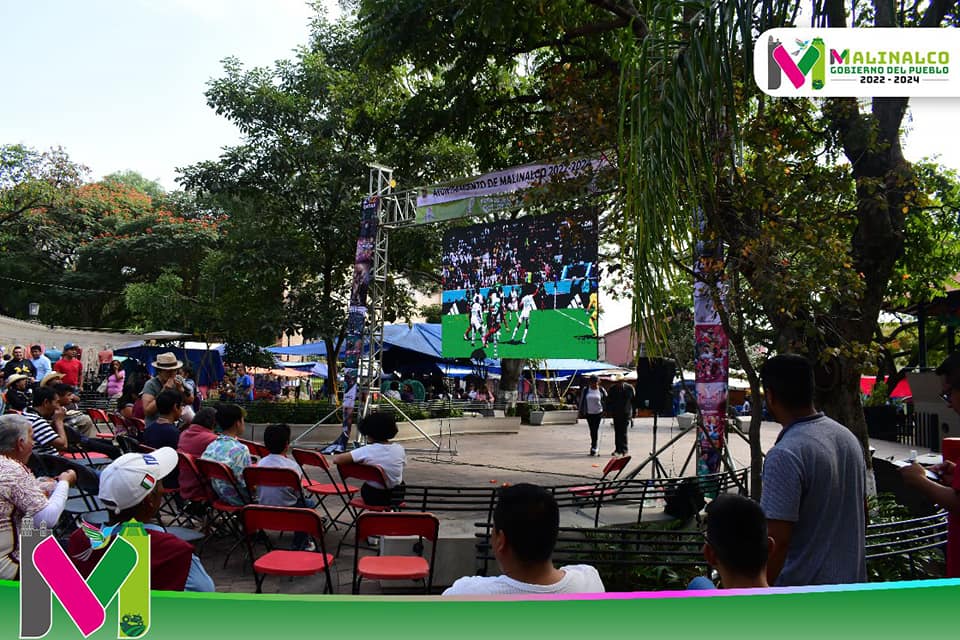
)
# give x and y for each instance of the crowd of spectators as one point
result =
(531, 250)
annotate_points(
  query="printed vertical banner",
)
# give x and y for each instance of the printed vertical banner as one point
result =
(812, 62)
(711, 358)
(47, 572)
(357, 316)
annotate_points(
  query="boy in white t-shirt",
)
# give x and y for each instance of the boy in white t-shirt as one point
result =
(379, 428)
(276, 437)
(526, 522)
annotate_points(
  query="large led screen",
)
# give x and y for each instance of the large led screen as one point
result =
(526, 288)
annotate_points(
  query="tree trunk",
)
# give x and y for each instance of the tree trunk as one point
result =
(510, 371)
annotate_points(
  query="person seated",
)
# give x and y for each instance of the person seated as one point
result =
(407, 394)
(379, 428)
(227, 449)
(736, 543)
(77, 425)
(276, 438)
(130, 490)
(19, 396)
(46, 418)
(194, 440)
(394, 391)
(164, 432)
(526, 522)
(21, 494)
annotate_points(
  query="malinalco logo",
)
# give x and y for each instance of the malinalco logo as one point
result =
(47, 572)
(808, 59)
(798, 62)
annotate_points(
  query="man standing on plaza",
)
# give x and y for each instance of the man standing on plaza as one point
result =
(69, 365)
(18, 365)
(41, 363)
(620, 407)
(814, 485)
(244, 385)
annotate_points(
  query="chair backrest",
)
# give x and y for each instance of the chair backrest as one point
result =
(88, 482)
(212, 470)
(398, 523)
(261, 517)
(98, 415)
(365, 472)
(188, 465)
(615, 465)
(135, 425)
(118, 420)
(308, 458)
(271, 477)
(128, 444)
(255, 448)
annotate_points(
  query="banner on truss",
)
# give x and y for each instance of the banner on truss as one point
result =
(503, 189)
(712, 357)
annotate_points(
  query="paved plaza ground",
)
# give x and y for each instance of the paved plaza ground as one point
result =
(546, 455)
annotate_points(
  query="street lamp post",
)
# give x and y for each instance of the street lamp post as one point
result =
(33, 310)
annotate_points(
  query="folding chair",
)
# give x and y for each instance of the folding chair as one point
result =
(102, 423)
(356, 505)
(604, 488)
(134, 426)
(82, 501)
(258, 519)
(256, 477)
(223, 513)
(119, 422)
(423, 525)
(197, 504)
(323, 490)
(255, 448)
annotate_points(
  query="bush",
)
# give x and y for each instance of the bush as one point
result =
(305, 412)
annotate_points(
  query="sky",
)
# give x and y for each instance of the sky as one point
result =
(119, 83)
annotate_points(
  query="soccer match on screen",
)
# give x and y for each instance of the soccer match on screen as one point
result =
(525, 288)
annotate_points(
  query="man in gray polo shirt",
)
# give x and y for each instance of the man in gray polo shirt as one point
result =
(814, 485)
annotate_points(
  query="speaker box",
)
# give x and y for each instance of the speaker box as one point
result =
(655, 384)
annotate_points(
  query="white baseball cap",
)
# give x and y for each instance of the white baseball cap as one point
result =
(132, 477)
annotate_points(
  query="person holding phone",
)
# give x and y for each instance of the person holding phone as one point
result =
(946, 490)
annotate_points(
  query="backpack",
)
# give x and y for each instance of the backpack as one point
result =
(685, 500)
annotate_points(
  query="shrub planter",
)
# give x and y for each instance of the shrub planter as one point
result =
(561, 416)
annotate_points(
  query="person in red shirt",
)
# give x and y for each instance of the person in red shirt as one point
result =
(69, 365)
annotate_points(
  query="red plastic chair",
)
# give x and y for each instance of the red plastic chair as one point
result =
(323, 490)
(256, 477)
(260, 518)
(605, 487)
(224, 514)
(424, 525)
(255, 448)
(118, 421)
(135, 426)
(102, 423)
(356, 505)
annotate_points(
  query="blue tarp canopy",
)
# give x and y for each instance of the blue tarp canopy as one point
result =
(307, 349)
(424, 339)
(207, 364)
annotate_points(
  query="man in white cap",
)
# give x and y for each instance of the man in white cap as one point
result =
(167, 366)
(130, 490)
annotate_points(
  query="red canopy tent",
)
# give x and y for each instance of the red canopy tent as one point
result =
(902, 390)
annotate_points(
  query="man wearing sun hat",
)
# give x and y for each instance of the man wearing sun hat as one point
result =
(19, 396)
(167, 366)
(130, 490)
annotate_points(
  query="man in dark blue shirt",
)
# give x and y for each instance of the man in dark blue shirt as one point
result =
(165, 432)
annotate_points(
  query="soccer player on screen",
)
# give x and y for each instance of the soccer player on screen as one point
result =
(527, 304)
(494, 317)
(513, 307)
(476, 322)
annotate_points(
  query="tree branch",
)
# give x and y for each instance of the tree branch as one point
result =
(625, 10)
